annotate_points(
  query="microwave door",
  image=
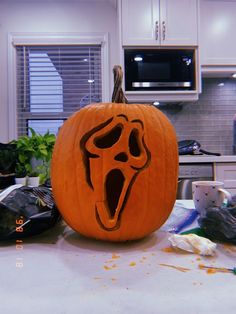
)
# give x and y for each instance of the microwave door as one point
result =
(160, 84)
(159, 70)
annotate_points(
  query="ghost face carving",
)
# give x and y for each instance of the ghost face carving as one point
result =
(114, 153)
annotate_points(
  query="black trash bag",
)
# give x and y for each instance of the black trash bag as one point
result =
(27, 211)
(220, 223)
(8, 156)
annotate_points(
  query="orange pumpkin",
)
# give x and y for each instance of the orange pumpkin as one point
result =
(114, 170)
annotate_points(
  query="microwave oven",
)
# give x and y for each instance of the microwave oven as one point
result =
(159, 69)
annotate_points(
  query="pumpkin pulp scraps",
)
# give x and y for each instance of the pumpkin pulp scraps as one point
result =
(183, 269)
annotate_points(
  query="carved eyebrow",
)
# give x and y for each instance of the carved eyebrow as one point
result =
(138, 121)
(123, 116)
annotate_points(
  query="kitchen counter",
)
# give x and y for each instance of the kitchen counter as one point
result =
(62, 272)
(206, 158)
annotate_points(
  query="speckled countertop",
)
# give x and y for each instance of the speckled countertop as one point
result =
(64, 273)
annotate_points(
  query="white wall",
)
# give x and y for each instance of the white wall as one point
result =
(52, 16)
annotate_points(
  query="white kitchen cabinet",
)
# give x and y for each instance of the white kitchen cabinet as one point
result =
(226, 172)
(159, 22)
(217, 39)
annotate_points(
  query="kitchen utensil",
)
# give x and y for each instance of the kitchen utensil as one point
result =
(192, 147)
(221, 269)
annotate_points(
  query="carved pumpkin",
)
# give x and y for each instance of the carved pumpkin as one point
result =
(114, 170)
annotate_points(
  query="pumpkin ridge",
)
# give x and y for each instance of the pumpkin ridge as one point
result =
(165, 210)
(84, 229)
(167, 167)
(58, 174)
(79, 214)
(136, 228)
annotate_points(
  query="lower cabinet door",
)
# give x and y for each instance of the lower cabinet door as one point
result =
(226, 172)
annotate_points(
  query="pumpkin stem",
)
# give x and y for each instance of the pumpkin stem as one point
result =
(118, 94)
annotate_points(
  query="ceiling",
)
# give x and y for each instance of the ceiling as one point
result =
(110, 2)
(113, 2)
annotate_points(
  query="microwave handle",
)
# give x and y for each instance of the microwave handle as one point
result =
(163, 30)
(156, 30)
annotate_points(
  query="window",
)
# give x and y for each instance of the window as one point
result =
(53, 81)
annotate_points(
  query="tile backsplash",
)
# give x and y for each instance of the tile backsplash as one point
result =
(210, 119)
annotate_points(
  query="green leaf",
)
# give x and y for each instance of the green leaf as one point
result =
(22, 158)
(44, 152)
(33, 133)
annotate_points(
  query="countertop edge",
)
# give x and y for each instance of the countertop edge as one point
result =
(206, 158)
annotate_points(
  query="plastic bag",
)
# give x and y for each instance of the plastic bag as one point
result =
(220, 222)
(8, 157)
(193, 243)
(181, 218)
(26, 211)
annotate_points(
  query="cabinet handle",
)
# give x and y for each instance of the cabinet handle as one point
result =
(163, 30)
(157, 30)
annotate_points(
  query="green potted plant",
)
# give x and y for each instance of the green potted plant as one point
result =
(24, 152)
(33, 176)
(42, 146)
(35, 153)
(20, 174)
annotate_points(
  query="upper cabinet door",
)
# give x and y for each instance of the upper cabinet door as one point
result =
(217, 32)
(178, 21)
(140, 22)
(159, 22)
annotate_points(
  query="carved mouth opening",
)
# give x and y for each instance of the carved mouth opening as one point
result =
(114, 186)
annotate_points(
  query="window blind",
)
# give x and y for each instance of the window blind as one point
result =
(53, 82)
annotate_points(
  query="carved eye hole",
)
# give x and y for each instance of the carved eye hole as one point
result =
(108, 139)
(121, 157)
(134, 147)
